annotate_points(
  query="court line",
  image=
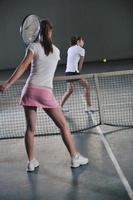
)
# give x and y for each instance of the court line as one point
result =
(115, 162)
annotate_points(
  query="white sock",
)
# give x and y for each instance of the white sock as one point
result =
(76, 155)
(32, 160)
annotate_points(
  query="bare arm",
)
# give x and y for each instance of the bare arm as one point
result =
(80, 64)
(22, 67)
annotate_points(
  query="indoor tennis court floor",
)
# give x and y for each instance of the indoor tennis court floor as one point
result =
(54, 179)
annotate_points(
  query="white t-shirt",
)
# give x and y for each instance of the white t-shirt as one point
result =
(73, 57)
(43, 67)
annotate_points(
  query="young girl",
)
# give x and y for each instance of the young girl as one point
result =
(75, 59)
(37, 92)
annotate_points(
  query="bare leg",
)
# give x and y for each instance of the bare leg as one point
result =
(59, 119)
(30, 115)
(67, 93)
(86, 87)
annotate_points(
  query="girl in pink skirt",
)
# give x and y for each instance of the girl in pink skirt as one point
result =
(37, 92)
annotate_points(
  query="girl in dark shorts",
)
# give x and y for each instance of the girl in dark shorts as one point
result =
(75, 59)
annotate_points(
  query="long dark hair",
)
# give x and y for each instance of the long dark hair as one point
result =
(45, 40)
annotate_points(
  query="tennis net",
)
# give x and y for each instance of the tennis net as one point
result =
(111, 97)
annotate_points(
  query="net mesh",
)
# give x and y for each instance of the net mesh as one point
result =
(12, 119)
(111, 97)
(116, 91)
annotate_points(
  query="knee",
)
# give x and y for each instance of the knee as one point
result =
(85, 84)
(70, 90)
(30, 129)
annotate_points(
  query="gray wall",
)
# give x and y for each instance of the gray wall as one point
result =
(107, 26)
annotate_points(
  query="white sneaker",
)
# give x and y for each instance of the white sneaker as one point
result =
(31, 165)
(78, 160)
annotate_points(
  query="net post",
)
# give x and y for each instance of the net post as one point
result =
(99, 99)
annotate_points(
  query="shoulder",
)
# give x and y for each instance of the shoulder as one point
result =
(71, 49)
(75, 48)
(81, 50)
(34, 44)
(56, 51)
(34, 47)
(56, 48)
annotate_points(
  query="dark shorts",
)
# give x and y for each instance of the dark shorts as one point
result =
(72, 74)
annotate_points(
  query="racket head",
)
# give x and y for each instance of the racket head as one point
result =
(30, 29)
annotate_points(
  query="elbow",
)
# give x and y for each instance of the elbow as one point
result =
(24, 67)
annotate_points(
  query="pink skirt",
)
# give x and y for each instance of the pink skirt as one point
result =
(38, 96)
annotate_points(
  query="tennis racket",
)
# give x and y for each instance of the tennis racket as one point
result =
(30, 29)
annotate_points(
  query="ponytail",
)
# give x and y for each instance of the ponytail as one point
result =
(45, 40)
(74, 39)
